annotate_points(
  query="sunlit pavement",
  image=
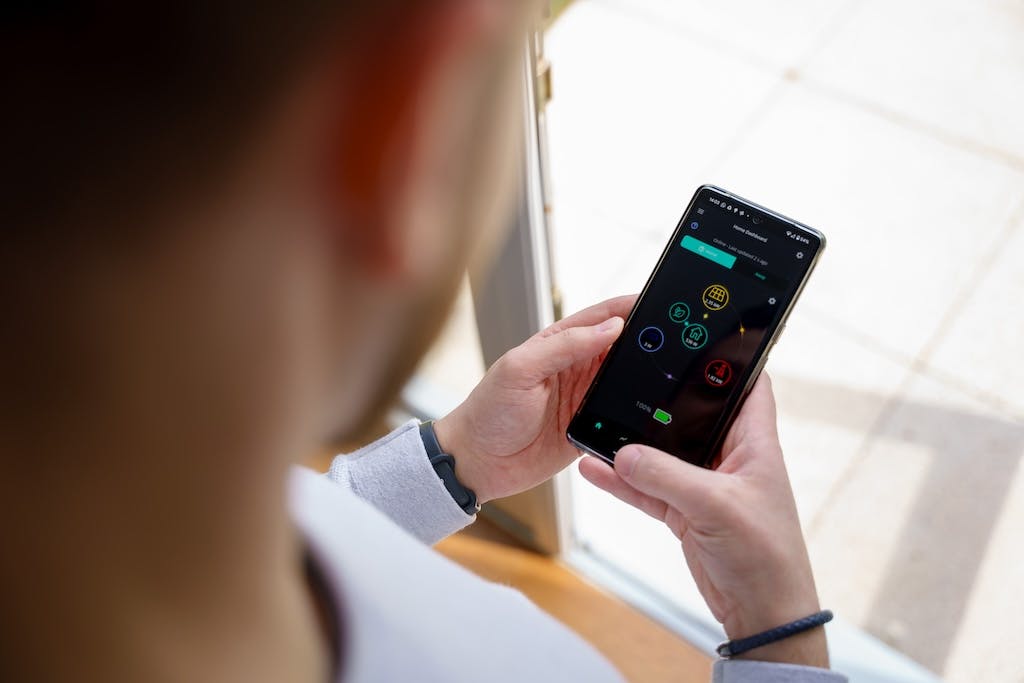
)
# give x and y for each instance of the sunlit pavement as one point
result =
(895, 127)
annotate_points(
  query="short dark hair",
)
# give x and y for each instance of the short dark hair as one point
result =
(113, 104)
(113, 111)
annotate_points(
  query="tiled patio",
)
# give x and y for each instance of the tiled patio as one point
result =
(897, 128)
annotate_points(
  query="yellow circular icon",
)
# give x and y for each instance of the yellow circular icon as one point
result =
(715, 297)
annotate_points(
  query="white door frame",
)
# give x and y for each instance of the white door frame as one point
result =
(514, 300)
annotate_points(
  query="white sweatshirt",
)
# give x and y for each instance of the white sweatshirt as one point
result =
(409, 614)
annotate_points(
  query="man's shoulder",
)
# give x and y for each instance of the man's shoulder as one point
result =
(369, 563)
(321, 507)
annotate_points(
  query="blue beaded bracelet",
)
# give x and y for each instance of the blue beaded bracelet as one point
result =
(731, 648)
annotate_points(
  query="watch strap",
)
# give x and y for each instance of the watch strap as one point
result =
(444, 465)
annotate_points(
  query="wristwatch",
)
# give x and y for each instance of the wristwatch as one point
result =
(444, 465)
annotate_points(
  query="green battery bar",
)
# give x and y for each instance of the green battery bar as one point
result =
(662, 416)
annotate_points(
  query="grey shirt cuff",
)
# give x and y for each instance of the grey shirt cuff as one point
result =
(746, 671)
(395, 476)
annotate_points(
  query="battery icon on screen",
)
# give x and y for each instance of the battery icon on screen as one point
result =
(662, 416)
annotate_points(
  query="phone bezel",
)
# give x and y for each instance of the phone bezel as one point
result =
(760, 355)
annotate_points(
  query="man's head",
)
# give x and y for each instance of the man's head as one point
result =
(237, 227)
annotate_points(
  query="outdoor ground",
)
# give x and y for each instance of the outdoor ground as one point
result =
(897, 128)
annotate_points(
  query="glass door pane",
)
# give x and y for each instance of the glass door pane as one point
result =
(780, 102)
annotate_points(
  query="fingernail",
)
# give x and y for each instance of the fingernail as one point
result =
(625, 460)
(610, 324)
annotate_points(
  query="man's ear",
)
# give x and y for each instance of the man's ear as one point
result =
(384, 77)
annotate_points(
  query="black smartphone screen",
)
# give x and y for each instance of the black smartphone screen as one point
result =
(724, 285)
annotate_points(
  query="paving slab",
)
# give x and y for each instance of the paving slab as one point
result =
(952, 65)
(899, 547)
(904, 213)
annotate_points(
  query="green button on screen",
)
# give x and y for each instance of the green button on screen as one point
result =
(709, 252)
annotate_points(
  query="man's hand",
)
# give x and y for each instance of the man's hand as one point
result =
(737, 524)
(509, 435)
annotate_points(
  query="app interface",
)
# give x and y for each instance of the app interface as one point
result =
(720, 291)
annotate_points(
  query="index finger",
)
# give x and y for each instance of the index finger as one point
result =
(619, 306)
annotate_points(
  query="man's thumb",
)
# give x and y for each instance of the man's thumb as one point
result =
(684, 486)
(550, 355)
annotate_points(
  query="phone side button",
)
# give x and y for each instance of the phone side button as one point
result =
(757, 372)
(775, 338)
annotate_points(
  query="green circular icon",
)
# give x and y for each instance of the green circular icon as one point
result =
(679, 312)
(695, 336)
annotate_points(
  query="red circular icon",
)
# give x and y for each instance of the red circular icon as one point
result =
(718, 373)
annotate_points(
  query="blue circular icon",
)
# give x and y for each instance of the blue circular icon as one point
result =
(694, 225)
(651, 339)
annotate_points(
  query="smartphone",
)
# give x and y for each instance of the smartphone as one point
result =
(700, 332)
